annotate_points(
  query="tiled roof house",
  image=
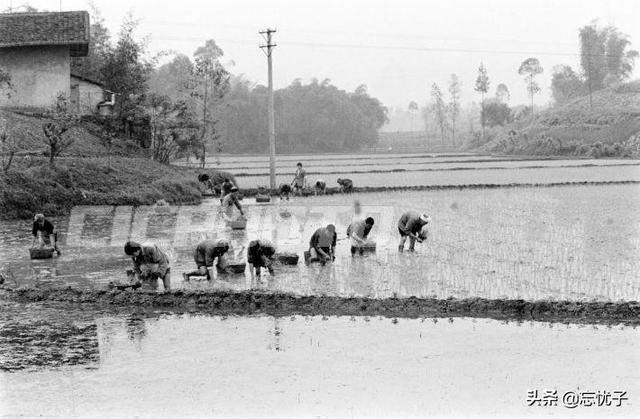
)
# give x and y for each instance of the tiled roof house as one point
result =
(36, 51)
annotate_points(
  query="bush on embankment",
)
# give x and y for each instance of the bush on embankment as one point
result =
(606, 125)
(32, 187)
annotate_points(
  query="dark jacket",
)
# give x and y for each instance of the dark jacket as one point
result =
(46, 228)
(255, 253)
(322, 238)
(410, 223)
(151, 254)
(208, 250)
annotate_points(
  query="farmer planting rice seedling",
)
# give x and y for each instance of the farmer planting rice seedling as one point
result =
(229, 202)
(515, 167)
(149, 262)
(44, 233)
(260, 254)
(320, 187)
(358, 231)
(322, 244)
(412, 226)
(204, 255)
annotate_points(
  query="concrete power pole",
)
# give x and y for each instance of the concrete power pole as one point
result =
(267, 49)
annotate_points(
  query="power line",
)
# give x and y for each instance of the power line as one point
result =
(380, 34)
(396, 47)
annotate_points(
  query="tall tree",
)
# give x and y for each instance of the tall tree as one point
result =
(604, 56)
(502, 93)
(212, 83)
(620, 60)
(530, 68)
(454, 104)
(126, 72)
(565, 84)
(439, 109)
(482, 87)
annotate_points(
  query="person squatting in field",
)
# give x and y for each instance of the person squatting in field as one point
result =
(358, 232)
(413, 226)
(260, 254)
(298, 183)
(346, 185)
(149, 262)
(320, 187)
(323, 244)
(44, 233)
(231, 200)
(285, 191)
(205, 253)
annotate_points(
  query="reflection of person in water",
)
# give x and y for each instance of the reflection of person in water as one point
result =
(136, 327)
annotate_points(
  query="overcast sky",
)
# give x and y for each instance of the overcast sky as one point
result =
(397, 48)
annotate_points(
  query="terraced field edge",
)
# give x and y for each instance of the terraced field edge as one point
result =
(364, 189)
(285, 304)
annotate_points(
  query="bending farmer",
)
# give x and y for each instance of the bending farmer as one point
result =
(260, 255)
(358, 232)
(149, 262)
(410, 225)
(231, 200)
(204, 255)
(43, 232)
(322, 244)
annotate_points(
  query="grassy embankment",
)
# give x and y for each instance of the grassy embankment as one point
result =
(85, 176)
(607, 126)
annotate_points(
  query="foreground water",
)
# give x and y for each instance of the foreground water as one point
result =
(74, 362)
(575, 243)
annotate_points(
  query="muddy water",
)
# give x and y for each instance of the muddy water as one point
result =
(573, 243)
(156, 365)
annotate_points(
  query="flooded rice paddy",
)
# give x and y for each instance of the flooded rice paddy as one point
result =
(564, 243)
(428, 169)
(465, 177)
(70, 362)
(575, 243)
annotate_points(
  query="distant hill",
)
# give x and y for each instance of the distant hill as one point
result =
(606, 127)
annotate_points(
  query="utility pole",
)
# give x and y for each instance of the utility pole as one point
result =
(267, 49)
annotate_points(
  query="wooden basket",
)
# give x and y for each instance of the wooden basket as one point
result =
(368, 247)
(287, 258)
(263, 198)
(41, 252)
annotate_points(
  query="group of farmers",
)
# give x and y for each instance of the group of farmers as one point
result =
(299, 184)
(150, 261)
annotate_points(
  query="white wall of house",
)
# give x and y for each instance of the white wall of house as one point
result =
(85, 96)
(38, 75)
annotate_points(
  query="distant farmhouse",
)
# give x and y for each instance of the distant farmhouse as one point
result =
(36, 51)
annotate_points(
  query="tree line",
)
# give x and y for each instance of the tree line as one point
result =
(192, 106)
(605, 59)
